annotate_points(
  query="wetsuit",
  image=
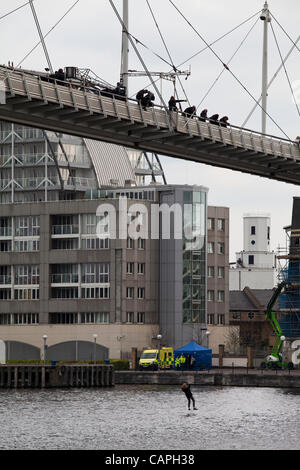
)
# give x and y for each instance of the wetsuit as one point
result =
(189, 396)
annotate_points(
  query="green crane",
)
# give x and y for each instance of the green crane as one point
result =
(274, 360)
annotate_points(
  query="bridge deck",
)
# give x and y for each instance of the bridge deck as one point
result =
(30, 101)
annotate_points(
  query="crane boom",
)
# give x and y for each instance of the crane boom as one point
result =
(274, 360)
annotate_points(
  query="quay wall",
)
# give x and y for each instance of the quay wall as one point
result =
(37, 376)
(224, 378)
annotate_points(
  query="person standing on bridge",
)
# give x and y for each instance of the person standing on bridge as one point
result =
(173, 102)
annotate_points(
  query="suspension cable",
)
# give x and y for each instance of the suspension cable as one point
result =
(168, 52)
(130, 37)
(285, 70)
(272, 80)
(220, 38)
(227, 68)
(231, 58)
(47, 34)
(294, 43)
(16, 9)
(212, 43)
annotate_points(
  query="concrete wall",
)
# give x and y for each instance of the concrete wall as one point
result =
(218, 335)
(117, 338)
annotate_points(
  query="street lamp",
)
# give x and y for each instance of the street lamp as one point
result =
(282, 355)
(207, 338)
(45, 347)
(95, 336)
(158, 337)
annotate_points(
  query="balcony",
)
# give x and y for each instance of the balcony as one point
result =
(66, 278)
(65, 230)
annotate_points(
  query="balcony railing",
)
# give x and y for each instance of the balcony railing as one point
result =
(65, 229)
(5, 231)
(66, 278)
(5, 279)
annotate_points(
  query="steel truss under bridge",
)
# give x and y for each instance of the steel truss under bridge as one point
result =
(31, 101)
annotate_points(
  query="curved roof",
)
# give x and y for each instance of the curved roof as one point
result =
(110, 162)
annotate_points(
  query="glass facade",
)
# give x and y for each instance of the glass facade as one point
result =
(194, 256)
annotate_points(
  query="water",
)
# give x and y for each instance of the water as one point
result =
(150, 417)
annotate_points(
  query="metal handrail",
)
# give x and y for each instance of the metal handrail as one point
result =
(84, 88)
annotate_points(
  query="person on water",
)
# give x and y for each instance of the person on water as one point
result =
(173, 102)
(186, 388)
(189, 112)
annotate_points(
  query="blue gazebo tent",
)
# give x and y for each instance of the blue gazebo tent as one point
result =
(202, 355)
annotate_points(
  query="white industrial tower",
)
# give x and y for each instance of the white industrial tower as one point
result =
(255, 266)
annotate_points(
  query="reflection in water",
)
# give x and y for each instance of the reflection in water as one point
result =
(150, 417)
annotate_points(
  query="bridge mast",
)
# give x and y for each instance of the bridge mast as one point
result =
(125, 45)
(266, 17)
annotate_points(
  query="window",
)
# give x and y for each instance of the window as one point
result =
(221, 296)
(210, 224)
(141, 317)
(141, 268)
(26, 294)
(221, 224)
(211, 271)
(141, 293)
(251, 259)
(64, 293)
(141, 243)
(130, 243)
(26, 318)
(94, 317)
(221, 319)
(64, 273)
(129, 317)
(5, 319)
(95, 273)
(221, 272)
(27, 245)
(27, 226)
(211, 319)
(130, 268)
(210, 247)
(252, 230)
(95, 243)
(221, 248)
(27, 274)
(64, 244)
(95, 293)
(129, 292)
(63, 318)
(210, 295)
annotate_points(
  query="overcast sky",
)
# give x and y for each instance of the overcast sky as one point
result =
(90, 36)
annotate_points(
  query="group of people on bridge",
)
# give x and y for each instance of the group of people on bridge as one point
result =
(191, 113)
(146, 99)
